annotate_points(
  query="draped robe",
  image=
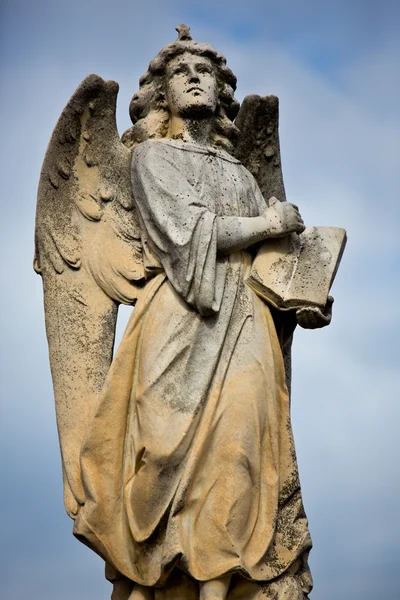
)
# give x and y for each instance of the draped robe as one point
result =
(189, 463)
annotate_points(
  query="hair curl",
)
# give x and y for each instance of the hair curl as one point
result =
(149, 110)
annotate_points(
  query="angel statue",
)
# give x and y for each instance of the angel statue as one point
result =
(178, 459)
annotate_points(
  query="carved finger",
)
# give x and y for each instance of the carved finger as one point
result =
(312, 318)
(330, 301)
(272, 201)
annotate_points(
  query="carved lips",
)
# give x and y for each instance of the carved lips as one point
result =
(195, 89)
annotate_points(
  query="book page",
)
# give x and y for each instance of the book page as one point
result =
(298, 270)
(318, 260)
(275, 264)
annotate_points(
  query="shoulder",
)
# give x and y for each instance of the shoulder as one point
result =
(152, 155)
(149, 148)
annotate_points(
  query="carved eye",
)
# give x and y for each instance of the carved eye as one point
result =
(178, 71)
(204, 69)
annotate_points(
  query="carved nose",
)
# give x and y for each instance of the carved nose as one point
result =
(194, 77)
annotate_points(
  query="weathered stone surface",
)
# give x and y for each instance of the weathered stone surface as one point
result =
(178, 455)
(258, 145)
(88, 252)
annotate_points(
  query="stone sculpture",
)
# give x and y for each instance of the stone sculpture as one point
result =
(178, 459)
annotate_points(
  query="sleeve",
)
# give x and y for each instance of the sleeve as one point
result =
(180, 230)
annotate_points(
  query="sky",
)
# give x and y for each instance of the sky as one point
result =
(333, 66)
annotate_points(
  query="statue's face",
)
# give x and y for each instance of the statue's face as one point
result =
(191, 86)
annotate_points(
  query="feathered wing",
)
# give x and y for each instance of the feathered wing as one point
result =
(89, 254)
(259, 151)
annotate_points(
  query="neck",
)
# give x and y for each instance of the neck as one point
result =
(190, 130)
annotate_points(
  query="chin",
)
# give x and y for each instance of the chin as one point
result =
(197, 110)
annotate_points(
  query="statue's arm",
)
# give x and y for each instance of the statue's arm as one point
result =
(178, 228)
(277, 220)
(164, 194)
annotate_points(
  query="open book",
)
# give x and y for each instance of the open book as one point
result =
(298, 270)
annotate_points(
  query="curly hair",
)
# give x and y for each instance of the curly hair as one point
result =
(149, 110)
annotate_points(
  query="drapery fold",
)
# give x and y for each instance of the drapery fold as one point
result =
(177, 226)
(189, 462)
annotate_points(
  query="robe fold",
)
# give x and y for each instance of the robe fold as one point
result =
(189, 461)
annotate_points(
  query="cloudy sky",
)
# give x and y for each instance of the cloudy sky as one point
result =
(332, 64)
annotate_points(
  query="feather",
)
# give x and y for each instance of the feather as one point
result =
(89, 254)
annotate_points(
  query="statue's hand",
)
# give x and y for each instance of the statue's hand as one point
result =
(282, 218)
(313, 317)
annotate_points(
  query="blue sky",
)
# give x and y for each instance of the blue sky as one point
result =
(333, 65)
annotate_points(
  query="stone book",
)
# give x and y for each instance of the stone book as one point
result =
(296, 271)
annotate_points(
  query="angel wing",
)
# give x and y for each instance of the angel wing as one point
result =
(258, 149)
(88, 251)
